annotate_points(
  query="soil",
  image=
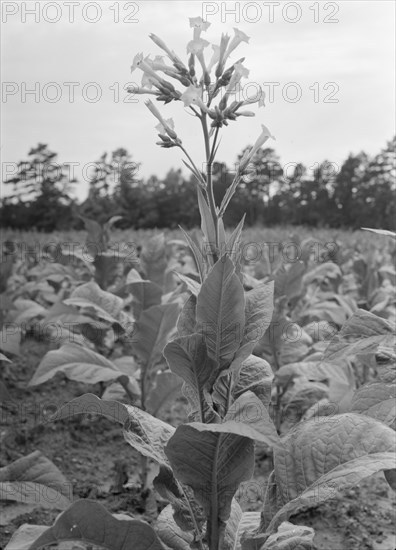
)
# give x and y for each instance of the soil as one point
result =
(94, 457)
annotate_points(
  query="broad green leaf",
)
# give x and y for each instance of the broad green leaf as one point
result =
(238, 525)
(320, 330)
(145, 294)
(288, 280)
(10, 338)
(328, 311)
(70, 254)
(233, 243)
(207, 224)
(258, 312)
(147, 434)
(222, 235)
(315, 447)
(322, 273)
(187, 513)
(127, 364)
(338, 376)
(91, 297)
(153, 331)
(246, 417)
(24, 536)
(170, 533)
(334, 482)
(34, 479)
(187, 319)
(321, 457)
(165, 388)
(200, 259)
(77, 363)
(109, 267)
(220, 312)
(378, 400)
(89, 522)
(27, 310)
(153, 259)
(255, 375)
(303, 395)
(96, 233)
(213, 465)
(116, 392)
(290, 537)
(187, 357)
(63, 314)
(386, 363)
(192, 285)
(361, 334)
(4, 358)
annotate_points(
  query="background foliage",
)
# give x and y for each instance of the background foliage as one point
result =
(361, 189)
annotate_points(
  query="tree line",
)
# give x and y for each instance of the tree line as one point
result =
(358, 193)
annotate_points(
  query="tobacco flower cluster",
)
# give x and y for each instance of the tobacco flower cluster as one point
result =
(203, 80)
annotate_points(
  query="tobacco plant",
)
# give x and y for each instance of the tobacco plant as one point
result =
(203, 462)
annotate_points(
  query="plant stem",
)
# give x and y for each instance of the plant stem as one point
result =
(209, 182)
(200, 179)
(199, 539)
(124, 383)
(212, 153)
(214, 505)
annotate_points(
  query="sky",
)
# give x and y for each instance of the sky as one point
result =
(65, 66)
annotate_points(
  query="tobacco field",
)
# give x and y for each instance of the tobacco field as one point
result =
(78, 324)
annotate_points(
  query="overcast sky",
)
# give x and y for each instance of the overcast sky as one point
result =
(340, 61)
